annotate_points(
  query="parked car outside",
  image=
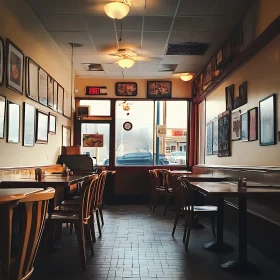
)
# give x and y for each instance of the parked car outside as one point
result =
(176, 157)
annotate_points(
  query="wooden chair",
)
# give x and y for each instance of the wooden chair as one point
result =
(31, 212)
(184, 201)
(80, 217)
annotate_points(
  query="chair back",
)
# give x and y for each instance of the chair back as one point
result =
(32, 214)
(154, 179)
(188, 192)
(179, 195)
(160, 176)
(101, 181)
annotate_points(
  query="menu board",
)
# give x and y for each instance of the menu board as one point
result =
(50, 91)
(54, 95)
(33, 80)
(224, 134)
(43, 87)
(209, 139)
(67, 106)
(60, 93)
(215, 136)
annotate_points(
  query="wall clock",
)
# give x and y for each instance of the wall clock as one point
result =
(127, 126)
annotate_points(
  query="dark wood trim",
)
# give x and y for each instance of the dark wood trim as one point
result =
(28, 167)
(135, 98)
(112, 145)
(191, 133)
(262, 41)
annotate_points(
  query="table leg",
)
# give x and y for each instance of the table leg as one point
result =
(242, 266)
(219, 245)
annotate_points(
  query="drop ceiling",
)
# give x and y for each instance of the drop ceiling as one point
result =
(147, 31)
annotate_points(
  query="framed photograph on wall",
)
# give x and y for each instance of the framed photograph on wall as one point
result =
(244, 126)
(60, 99)
(2, 61)
(224, 124)
(267, 120)
(242, 97)
(28, 125)
(43, 87)
(157, 89)
(52, 123)
(229, 97)
(207, 77)
(50, 91)
(126, 89)
(67, 104)
(2, 115)
(235, 126)
(253, 124)
(215, 136)
(66, 135)
(209, 139)
(55, 85)
(42, 127)
(14, 67)
(219, 58)
(13, 123)
(32, 79)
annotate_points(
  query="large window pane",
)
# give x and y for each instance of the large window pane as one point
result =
(135, 147)
(97, 107)
(101, 153)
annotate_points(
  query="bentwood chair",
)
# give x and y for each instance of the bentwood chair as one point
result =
(31, 214)
(80, 217)
(185, 203)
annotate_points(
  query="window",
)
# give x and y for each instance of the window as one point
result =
(140, 145)
(97, 107)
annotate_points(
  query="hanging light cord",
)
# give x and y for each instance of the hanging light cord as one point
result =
(121, 31)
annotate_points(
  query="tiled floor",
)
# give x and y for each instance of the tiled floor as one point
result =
(137, 244)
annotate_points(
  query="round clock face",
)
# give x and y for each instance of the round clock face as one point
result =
(127, 126)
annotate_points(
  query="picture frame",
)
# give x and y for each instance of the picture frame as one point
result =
(13, 122)
(267, 120)
(14, 67)
(28, 136)
(227, 51)
(32, 88)
(2, 61)
(2, 116)
(224, 124)
(50, 92)
(209, 138)
(207, 76)
(159, 89)
(235, 126)
(52, 123)
(42, 127)
(253, 124)
(126, 89)
(229, 91)
(60, 99)
(219, 58)
(242, 98)
(55, 93)
(43, 87)
(215, 136)
(244, 127)
(67, 104)
(66, 136)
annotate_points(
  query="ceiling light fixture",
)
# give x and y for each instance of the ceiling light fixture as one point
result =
(186, 77)
(117, 10)
(126, 62)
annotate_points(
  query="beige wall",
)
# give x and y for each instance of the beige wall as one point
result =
(180, 89)
(21, 25)
(262, 73)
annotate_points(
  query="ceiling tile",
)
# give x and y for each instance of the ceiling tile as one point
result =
(130, 40)
(130, 23)
(99, 23)
(149, 67)
(104, 41)
(197, 7)
(177, 37)
(157, 23)
(133, 69)
(67, 49)
(192, 24)
(64, 38)
(97, 73)
(111, 67)
(189, 68)
(229, 7)
(113, 74)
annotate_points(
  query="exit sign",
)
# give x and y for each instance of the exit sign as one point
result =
(96, 90)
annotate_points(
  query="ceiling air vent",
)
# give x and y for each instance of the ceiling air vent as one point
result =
(92, 67)
(167, 67)
(187, 49)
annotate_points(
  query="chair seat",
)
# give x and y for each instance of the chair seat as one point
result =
(61, 215)
(69, 208)
(203, 208)
(70, 202)
(162, 189)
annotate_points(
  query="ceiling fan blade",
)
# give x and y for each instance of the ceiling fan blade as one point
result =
(147, 58)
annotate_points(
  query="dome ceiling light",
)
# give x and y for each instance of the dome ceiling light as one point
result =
(126, 62)
(117, 10)
(186, 77)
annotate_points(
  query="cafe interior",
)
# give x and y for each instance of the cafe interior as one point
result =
(135, 141)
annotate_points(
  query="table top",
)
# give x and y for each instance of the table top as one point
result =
(230, 188)
(205, 177)
(180, 172)
(8, 195)
(52, 180)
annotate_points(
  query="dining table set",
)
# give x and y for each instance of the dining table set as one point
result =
(221, 187)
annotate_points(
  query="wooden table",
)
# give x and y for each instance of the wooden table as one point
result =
(229, 189)
(9, 195)
(204, 177)
(180, 172)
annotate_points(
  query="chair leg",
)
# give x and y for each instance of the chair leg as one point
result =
(79, 229)
(166, 203)
(213, 222)
(71, 228)
(175, 222)
(101, 215)
(92, 229)
(98, 223)
(189, 226)
(89, 238)
(153, 201)
(186, 226)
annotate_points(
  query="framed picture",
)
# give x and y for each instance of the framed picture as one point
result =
(2, 61)
(235, 126)
(2, 115)
(43, 87)
(42, 127)
(253, 124)
(126, 89)
(50, 91)
(242, 98)
(215, 136)
(55, 95)
(244, 126)
(15, 67)
(66, 136)
(67, 104)
(32, 79)
(207, 77)
(28, 125)
(229, 97)
(227, 51)
(214, 72)
(209, 139)
(52, 123)
(157, 89)
(268, 120)
(60, 97)
(13, 124)
(224, 134)
(219, 58)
